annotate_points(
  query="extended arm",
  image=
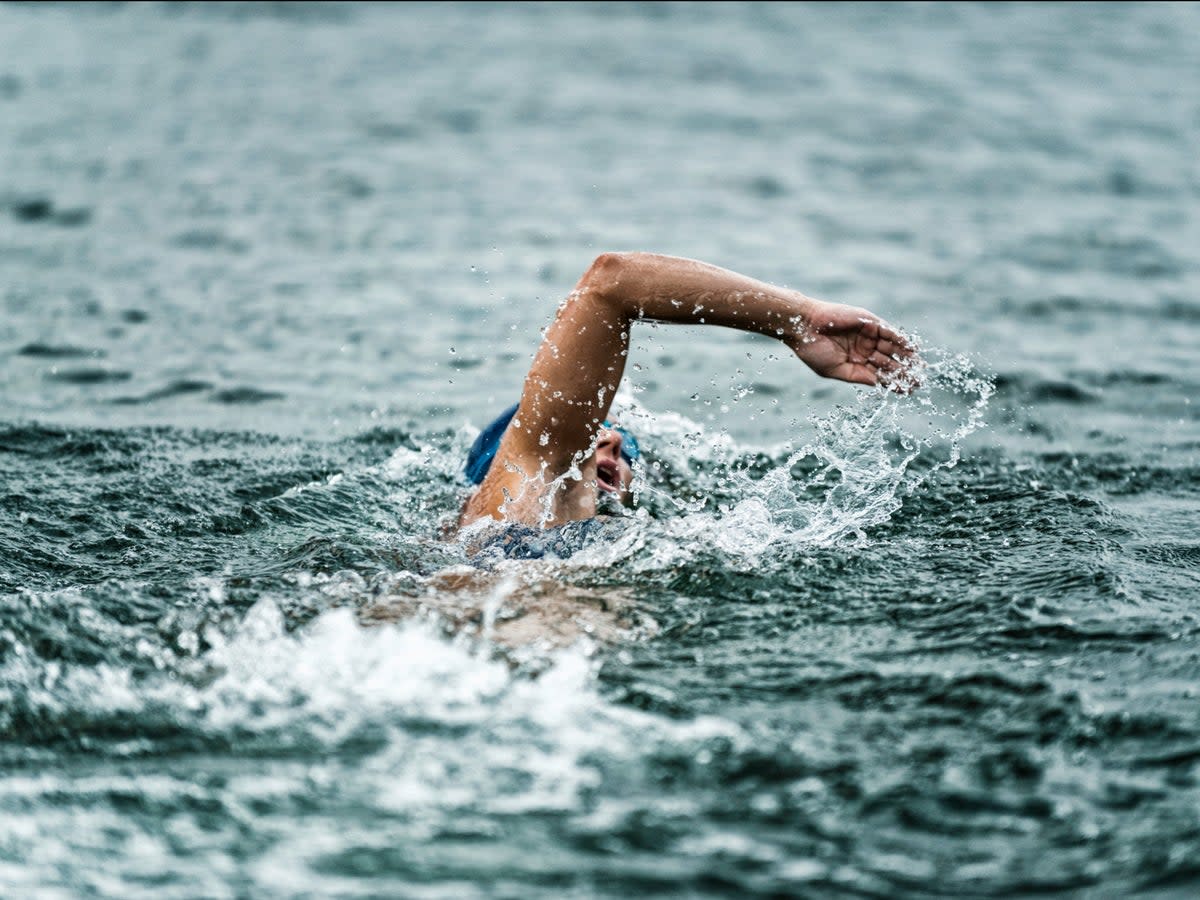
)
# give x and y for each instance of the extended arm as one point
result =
(575, 373)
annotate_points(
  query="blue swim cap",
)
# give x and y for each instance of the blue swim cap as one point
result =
(483, 451)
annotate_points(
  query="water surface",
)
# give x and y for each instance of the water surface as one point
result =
(267, 268)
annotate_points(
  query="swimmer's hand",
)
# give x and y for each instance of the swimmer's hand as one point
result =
(851, 344)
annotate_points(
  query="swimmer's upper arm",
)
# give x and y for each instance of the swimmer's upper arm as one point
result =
(567, 392)
(575, 373)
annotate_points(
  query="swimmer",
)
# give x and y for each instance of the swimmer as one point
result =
(560, 426)
(546, 465)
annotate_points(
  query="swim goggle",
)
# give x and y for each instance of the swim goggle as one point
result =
(483, 451)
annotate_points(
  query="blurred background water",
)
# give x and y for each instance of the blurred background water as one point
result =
(265, 268)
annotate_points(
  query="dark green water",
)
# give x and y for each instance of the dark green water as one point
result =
(265, 269)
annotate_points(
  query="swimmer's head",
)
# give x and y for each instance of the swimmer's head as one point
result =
(616, 450)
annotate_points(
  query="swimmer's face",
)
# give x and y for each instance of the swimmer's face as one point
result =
(613, 474)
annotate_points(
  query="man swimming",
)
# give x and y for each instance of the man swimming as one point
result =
(549, 460)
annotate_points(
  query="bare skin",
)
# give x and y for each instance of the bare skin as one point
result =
(556, 458)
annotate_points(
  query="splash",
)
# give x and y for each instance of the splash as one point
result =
(864, 459)
(330, 685)
(851, 475)
(394, 722)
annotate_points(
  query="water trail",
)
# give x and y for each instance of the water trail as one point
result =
(447, 725)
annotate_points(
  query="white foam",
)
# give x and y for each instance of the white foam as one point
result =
(324, 683)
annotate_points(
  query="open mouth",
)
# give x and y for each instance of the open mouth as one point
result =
(608, 476)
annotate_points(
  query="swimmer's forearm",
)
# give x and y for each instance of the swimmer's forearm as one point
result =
(686, 291)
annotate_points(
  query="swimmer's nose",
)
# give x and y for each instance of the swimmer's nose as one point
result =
(610, 440)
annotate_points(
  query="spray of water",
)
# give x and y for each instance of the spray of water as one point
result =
(854, 472)
(849, 474)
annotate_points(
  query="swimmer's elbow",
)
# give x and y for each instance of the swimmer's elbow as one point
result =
(609, 263)
(604, 277)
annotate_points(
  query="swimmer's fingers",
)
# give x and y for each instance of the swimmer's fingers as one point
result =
(894, 349)
(882, 362)
(898, 375)
(893, 343)
(892, 361)
(895, 360)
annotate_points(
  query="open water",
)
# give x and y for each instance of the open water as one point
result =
(265, 269)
